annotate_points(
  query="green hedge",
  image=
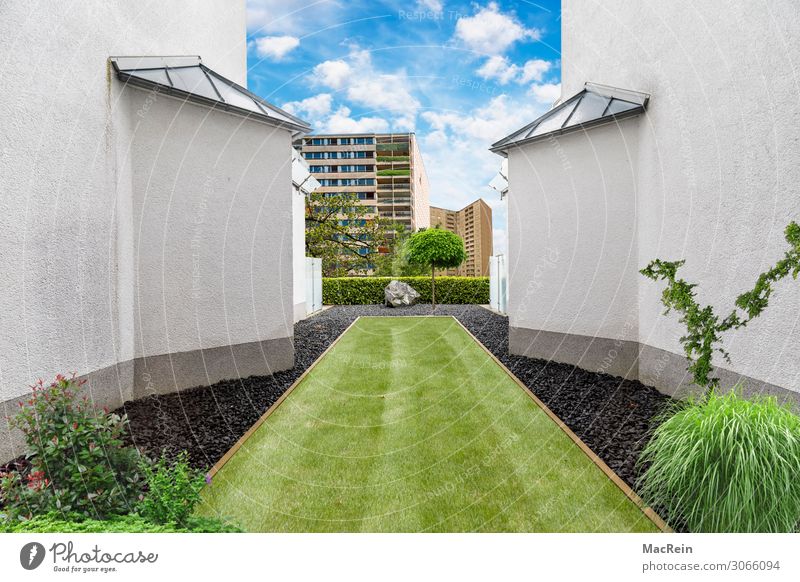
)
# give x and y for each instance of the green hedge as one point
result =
(122, 524)
(366, 290)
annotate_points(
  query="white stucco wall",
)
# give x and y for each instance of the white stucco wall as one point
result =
(299, 253)
(577, 194)
(716, 171)
(212, 228)
(134, 226)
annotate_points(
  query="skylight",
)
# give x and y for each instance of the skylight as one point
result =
(595, 105)
(189, 78)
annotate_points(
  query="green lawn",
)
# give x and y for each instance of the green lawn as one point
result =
(407, 425)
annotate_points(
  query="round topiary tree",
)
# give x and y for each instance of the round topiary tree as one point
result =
(441, 249)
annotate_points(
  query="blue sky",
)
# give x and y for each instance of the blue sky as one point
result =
(459, 74)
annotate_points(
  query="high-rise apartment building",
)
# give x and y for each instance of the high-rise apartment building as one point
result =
(385, 170)
(472, 223)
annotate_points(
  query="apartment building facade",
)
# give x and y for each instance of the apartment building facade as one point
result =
(473, 223)
(386, 171)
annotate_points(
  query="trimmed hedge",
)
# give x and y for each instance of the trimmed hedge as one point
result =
(369, 290)
(54, 523)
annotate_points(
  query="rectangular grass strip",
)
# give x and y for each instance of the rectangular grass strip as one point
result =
(408, 425)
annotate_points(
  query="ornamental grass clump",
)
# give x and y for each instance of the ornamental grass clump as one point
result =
(726, 464)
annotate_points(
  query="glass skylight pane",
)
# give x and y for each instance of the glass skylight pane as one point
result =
(154, 75)
(193, 80)
(619, 106)
(554, 121)
(233, 96)
(590, 108)
(128, 63)
(276, 114)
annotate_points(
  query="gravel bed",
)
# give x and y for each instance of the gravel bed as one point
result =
(611, 415)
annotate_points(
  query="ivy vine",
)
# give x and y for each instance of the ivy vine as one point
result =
(704, 328)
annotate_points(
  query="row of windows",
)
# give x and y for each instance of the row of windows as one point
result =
(354, 209)
(330, 169)
(341, 141)
(347, 181)
(336, 155)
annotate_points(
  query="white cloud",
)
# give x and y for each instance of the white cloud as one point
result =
(498, 67)
(490, 31)
(276, 47)
(333, 74)
(486, 124)
(341, 122)
(290, 16)
(315, 107)
(362, 84)
(431, 5)
(547, 93)
(458, 162)
(534, 70)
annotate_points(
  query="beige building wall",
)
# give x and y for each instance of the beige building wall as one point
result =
(421, 188)
(473, 223)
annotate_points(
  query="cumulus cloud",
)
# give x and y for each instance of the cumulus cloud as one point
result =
(332, 74)
(547, 93)
(456, 154)
(290, 16)
(430, 5)
(534, 70)
(362, 84)
(341, 122)
(315, 107)
(491, 31)
(486, 124)
(499, 67)
(276, 47)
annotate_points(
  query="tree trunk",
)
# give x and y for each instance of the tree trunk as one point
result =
(433, 286)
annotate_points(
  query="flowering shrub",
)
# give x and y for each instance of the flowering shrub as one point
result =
(79, 463)
(173, 490)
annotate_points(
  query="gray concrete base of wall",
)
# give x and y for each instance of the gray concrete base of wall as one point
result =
(664, 370)
(162, 374)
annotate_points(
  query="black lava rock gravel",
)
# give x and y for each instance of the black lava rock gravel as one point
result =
(611, 415)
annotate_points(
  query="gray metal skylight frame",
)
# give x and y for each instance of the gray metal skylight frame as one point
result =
(128, 67)
(634, 103)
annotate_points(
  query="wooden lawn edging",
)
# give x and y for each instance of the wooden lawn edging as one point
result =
(238, 444)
